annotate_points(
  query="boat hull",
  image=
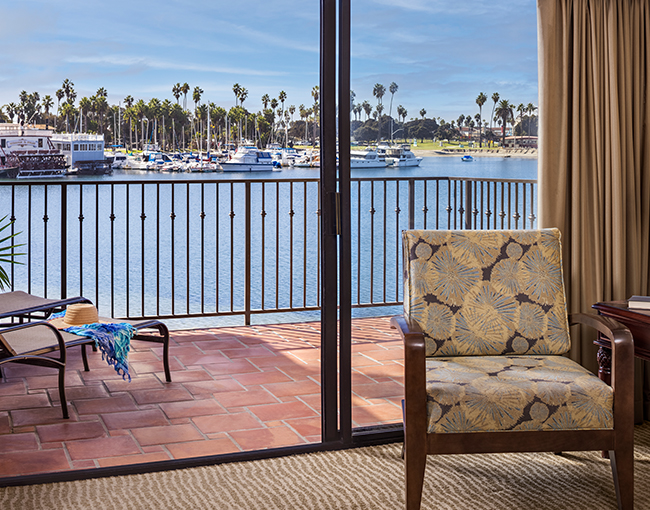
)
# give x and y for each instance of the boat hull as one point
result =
(247, 167)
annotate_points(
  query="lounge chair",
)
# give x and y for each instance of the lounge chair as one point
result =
(29, 343)
(21, 305)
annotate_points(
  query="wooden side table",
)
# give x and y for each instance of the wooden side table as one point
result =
(638, 322)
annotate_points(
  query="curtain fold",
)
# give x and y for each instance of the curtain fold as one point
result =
(594, 157)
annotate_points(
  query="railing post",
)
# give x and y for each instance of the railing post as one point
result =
(411, 200)
(64, 241)
(247, 304)
(468, 205)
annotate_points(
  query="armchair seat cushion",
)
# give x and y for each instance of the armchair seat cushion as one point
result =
(499, 393)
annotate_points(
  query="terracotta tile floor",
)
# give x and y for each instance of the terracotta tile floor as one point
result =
(234, 389)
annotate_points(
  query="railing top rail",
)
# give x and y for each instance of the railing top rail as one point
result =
(133, 182)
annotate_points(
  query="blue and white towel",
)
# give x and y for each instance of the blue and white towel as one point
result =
(113, 339)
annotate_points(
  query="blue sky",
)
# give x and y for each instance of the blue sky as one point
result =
(440, 53)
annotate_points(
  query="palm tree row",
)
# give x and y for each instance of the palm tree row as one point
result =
(174, 126)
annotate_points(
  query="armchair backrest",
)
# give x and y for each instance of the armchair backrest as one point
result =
(486, 292)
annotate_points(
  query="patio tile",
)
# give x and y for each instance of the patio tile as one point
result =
(250, 397)
(259, 439)
(28, 463)
(306, 426)
(370, 415)
(272, 375)
(26, 417)
(192, 408)
(11, 402)
(164, 395)
(203, 448)
(293, 388)
(382, 355)
(83, 464)
(181, 376)
(202, 359)
(5, 428)
(134, 419)
(380, 389)
(221, 385)
(12, 388)
(79, 393)
(115, 404)
(286, 411)
(102, 447)
(219, 344)
(143, 382)
(239, 366)
(70, 431)
(166, 434)
(127, 460)
(140, 368)
(247, 352)
(18, 442)
(226, 423)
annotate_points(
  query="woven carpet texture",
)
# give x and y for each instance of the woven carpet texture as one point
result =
(365, 478)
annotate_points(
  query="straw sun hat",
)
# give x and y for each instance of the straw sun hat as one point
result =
(78, 314)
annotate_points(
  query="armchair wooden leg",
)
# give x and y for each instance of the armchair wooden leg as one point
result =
(622, 462)
(415, 464)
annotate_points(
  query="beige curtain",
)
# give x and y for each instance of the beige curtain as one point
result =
(594, 159)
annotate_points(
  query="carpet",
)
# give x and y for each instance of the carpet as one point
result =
(364, 478)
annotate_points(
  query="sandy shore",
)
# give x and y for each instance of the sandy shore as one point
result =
(490, 153)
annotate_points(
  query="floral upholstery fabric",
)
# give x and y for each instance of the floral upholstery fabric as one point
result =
(498, 393)
(483, 292)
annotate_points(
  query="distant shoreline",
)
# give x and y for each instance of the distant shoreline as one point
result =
(488, 153)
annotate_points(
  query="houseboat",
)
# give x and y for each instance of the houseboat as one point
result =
(28, 152)
(84, 153)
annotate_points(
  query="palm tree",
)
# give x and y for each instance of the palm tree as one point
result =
(236, 89)
(392, 88)
(59, 95)
(480, 101)
(176, 91)
(265, 101)
(367, 108)
(378, 91)
(47, 104)
(101, 105)
(315, 93)
(423, 112)
(504, 112)
(530, 109)
(282, 96)
(85, 107)
(128, 101)
(185, 88)
(495, 98)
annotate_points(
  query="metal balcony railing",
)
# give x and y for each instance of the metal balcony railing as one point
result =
(170, 249)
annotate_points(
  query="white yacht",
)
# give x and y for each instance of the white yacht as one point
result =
(248, 159)
(403, 156)
(366, 159)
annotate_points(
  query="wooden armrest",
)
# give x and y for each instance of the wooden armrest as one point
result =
(414, 371)
(622, 344)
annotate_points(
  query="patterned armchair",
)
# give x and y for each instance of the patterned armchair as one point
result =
(485, 328)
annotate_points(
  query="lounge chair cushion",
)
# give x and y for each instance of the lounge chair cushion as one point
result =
(492, 292)
(498, 393)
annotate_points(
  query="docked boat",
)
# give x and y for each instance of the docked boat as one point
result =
(28, 152)
(366, 159)
(248, 159)
(84, 153)
(467, 157)
(403, 156)
(309, 159)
